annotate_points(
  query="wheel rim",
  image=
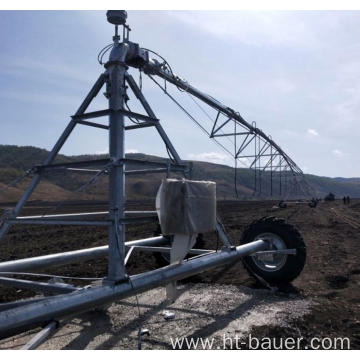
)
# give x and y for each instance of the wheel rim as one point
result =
(271, 262)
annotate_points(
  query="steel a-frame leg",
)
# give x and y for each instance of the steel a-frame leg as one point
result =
(50, 158)
(137, 92)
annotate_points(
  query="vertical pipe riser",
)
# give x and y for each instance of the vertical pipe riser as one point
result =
(116, 71)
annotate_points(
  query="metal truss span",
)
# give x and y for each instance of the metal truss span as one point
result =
(275, 173)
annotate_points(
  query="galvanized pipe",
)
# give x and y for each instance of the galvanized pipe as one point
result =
(20, 303)
(59, 222)
(117, 95)
(51, 222)
(58, 288)
(63, 216)
(32, 217)
(41, 262)
(19, 319)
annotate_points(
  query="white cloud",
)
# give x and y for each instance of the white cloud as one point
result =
(255, 28)
(214, 157)
(312, 132)
(284, 85)
(340, 153)
(219, 158)
(106, 151)
(337, 152)
(346, 112)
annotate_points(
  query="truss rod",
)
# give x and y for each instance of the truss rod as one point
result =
(231, 134)
(262, 151)
(61, 216)
(37, 286)
(57, 222)
(213, 134)
(153, 67)
(40, 337)
(139, 126)
(89, 123)
(100, 113)
(71, 165)
(40, 221)
(254, 156)
(244, 146)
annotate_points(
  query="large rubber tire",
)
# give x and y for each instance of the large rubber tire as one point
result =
(290, 265)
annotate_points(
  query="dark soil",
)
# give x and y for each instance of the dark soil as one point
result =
(331, 276)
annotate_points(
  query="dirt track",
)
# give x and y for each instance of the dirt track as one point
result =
(330, 280)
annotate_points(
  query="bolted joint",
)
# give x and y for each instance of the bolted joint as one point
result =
(116, 63)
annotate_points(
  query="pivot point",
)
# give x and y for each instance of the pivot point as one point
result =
(116, 17)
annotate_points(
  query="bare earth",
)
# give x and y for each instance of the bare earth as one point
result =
(201, 311)
(323, 302)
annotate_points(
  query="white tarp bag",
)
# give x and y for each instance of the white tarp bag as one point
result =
(185, 208)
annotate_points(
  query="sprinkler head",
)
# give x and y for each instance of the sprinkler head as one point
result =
(116, 17)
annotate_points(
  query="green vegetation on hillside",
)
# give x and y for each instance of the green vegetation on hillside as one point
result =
(15, 159)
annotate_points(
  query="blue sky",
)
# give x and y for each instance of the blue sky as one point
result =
(297, 74)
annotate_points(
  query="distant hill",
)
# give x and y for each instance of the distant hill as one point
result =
(347, 180)
(62, 185)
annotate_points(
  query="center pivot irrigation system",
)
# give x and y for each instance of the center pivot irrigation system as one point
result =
(272, 250)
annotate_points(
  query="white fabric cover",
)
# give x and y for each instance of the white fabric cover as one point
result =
(179, 249)
(186, 206)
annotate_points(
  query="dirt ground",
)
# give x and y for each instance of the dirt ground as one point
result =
(218, 313)
(326, 296)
